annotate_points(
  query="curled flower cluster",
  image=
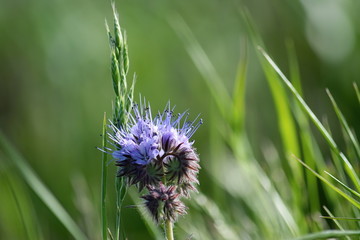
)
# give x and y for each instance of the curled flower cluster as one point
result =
(157, 153)
(163, 202)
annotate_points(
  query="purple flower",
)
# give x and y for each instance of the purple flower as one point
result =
(163, 203)
(148, 149)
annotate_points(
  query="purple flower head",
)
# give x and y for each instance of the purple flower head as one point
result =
(148, 149)
(163, 203)
(179, 156)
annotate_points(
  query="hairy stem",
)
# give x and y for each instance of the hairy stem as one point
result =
(169, 230)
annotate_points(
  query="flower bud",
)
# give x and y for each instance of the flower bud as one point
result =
(163, 203)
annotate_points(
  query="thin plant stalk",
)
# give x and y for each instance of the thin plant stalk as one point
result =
(123, 99)
(335, 221)
(357, 91)
(118, 209)
(329, 234)
(103, 182)
(169, 230)
(120, 194)
(348, 167)
(169, 233)
(19, 208)
(344, 124)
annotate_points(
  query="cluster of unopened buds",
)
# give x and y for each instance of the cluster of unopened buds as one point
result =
(156, 154)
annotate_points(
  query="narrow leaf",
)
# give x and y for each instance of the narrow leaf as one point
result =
(345, 186)
(357, 91)
(336, 189)
(344, 124)
(348, 167)
(239, 90)
(203, 64)
(329, 234)
(341, 218)
(286, 121)
(335, 220)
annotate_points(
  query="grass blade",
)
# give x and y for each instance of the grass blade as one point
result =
(103, 181)
(40, 189)
(203, 64)
(336, 189)
(239, 91)
(214, 213)
(341, 218)
(315, 161)
(335, 220)
(329, 234)
(342, 184)
(149, 223)
(357, 91)
(348, 167)
(15, 201)
(121, 190)
(286, 122)
(294, 66)
(344, 124)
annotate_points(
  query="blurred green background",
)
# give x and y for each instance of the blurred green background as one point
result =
(56, 85)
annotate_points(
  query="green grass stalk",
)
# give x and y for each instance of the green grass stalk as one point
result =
(344, 124)
(329, 234)
(336, 189)
(357, 91)
(169, 234)
(348, 167)
(103, 182)
(19, 209)
(118, 208)
(123, 99)
(335, 220)
(169, 230)
(305, 136)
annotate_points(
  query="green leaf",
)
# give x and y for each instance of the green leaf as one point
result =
(329, 234)
(341, 218)
(357, 91)
(15, 200)
(344, 124)
(203, 64)
(309, 147)
(336, 189)
(335, 220)
(286, 121)
(345, 186)
(348, 167)
(238, 110)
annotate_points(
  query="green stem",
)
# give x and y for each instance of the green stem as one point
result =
(168, 224)
(118, 208)
(169, 230)
(103, 183)
(121, 190)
